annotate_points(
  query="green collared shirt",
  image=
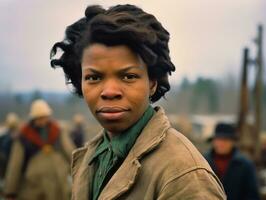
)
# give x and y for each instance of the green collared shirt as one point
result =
(110, 154)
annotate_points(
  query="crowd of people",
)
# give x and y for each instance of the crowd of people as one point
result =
(35, 157)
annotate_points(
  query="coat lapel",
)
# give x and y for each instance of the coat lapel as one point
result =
(82, 172)
(122, 180)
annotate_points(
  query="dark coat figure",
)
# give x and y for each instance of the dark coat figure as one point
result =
(6, 141)
(77, 135)
(78, 131)
(236, 172)
(5, 147)
(239, 181)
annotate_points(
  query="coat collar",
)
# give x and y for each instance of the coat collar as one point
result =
(82, 171)
(151, 136)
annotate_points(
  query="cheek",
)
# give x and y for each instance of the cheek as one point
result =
(229, 145)
(89, 96)
(138, 95)
(219, 144)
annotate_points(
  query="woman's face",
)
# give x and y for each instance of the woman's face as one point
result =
(115, 85)
(41, 121)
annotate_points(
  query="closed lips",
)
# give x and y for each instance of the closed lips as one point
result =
(111, 113)
(111, 110)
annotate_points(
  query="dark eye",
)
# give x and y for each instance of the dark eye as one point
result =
(93, 78)
(130, 77)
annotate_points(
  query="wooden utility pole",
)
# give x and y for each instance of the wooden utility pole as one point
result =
(244, 91)
(250, 133)
(258, 89)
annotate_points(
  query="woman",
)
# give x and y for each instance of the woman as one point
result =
(118, 60)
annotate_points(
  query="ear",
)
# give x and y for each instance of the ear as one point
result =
(153, 87)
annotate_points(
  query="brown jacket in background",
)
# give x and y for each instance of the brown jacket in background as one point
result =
(161, 165)
(46, 176)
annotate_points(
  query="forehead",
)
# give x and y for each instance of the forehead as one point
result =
(102, 53)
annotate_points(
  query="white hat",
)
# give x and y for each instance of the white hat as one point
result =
(12, 120)
(40, 108)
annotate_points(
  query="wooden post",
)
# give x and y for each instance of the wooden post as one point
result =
(243, 108)
(258, 90)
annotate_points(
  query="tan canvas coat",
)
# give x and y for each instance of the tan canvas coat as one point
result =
(46, 176)
(161, 165)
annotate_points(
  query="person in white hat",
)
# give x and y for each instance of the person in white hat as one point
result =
(39, 164)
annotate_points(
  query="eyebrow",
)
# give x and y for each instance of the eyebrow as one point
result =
(123, 70)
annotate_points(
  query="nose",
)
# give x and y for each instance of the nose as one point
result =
(111, 91)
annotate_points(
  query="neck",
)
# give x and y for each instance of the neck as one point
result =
(137, 126)
(112, 134)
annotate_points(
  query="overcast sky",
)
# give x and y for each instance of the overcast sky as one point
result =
(207, 36)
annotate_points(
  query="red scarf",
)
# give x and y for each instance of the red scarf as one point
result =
(222, 163)
(33, 136)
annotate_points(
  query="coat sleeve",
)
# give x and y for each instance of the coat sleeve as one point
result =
(198, 184)
(14, 169)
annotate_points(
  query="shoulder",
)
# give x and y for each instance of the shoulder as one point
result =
(243, 160)
(178, 157)
(185, 167)
(182, 151)
(4, 137)
(57, 126)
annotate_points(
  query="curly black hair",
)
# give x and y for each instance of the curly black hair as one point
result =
(118, 25)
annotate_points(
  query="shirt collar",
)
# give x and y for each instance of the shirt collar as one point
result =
(122, 143)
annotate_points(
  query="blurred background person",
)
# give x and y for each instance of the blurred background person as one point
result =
(78, 131)
(262, 166)
(236, 172)
(9, 134)
(263, 150)
(38, 167)
(6, 140)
